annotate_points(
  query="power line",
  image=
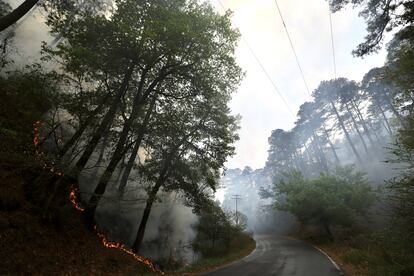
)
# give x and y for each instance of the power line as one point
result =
(293, 49)
(276, 89)
(332, 41)
(237, 198)
(268, 76)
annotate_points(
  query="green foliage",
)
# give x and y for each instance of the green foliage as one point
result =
(217, 232)
(381, 16)
(338, 198)
(25, 97)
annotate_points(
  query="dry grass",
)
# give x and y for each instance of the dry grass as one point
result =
(339, 253)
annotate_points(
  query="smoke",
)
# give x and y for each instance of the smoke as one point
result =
(169, 232)
(29, 33)
(261, 217)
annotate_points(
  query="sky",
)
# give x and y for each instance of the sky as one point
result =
(261, 108)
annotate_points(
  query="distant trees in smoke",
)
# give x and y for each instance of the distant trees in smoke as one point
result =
(347, 122)
(350, 122)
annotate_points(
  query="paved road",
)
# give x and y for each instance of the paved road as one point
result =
(282, 257)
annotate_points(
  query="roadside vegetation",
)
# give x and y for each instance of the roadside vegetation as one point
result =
(220, 239)
(345, 171)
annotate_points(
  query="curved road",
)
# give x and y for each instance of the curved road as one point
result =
(282, 257)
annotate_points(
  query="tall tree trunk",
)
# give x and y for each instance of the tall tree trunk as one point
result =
(394, 110)
(341, 123)
(8, 20)
(93, 142)
(321, 154)
(75, 137)
(377, 138)
(331, 145)
(121, 170)
(137, 145)
(101, 154)
(151, 198)
(387, 125)
(160, 181)
(119, 151)
(143, 224)
(363, 123)
(107, 120)
(357, 129)
(328, 231)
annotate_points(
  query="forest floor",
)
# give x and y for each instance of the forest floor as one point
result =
(31, 245)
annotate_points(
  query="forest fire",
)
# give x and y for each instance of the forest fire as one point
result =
(74, 199)
(109, 244)
(120, 246)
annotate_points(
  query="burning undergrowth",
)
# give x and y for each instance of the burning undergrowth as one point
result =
(169, 234)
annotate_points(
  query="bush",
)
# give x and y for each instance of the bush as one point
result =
(217, 235)
(336, 199)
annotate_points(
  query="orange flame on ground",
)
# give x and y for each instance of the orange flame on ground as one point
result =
(120, 246)
(36, 141)
(74, 199)
(104, 239)
(74, 191)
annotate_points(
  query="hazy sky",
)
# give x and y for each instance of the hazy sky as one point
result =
(261, 108)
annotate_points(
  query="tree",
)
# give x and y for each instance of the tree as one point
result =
(215, 231)
(338, 198)
(381, 94)
(187, 149)
(399, 67)
(281, 151)
(381, 16)
(326, 95)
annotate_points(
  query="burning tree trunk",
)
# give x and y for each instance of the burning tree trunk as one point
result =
(93, 142)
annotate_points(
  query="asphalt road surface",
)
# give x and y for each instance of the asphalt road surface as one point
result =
(282, 257)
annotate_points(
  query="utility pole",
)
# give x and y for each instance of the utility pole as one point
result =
(236, 198)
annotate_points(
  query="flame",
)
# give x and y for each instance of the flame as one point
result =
(73, 197)
(120, 246)
(39, 154)
(74, 190)
(110, 244)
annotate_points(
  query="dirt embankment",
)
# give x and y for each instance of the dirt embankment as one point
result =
(59, 245)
